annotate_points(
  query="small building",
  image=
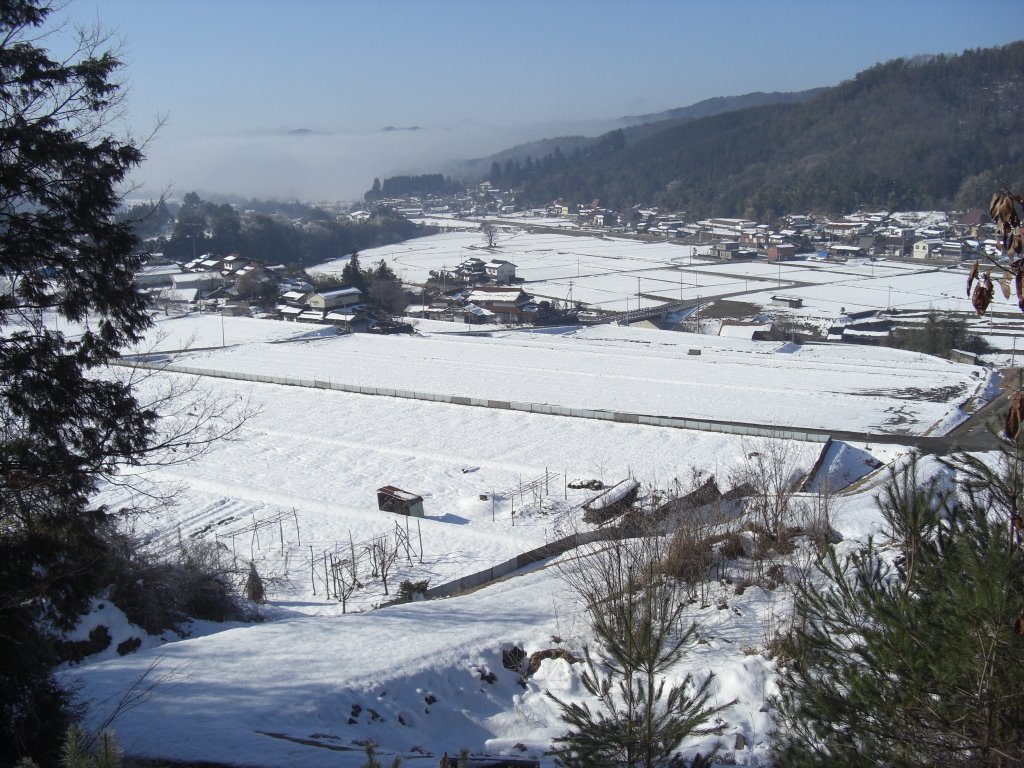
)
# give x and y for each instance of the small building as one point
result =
(793, 302)
(500, 271)
(725, 251)
(202, 281)
(844, 252)
(508, 305)
(158, 276)
(342, 297)
(392, 499)
(781, 252)
(927, 249)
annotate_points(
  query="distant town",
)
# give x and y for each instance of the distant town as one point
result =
(487, 287)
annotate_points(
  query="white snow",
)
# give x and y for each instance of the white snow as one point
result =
(308, 684)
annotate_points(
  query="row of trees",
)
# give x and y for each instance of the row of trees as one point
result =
(412, 186)
(292, 234)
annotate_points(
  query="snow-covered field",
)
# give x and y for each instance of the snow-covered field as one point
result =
(298, 487)
(639, 371)
(615, 273)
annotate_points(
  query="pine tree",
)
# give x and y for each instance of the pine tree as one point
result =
(65, 261)
(911, 653)
(635, 614)
(353, 274)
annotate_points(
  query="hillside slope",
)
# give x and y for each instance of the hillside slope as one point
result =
(929, 132)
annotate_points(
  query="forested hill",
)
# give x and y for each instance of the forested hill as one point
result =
(929, 132)
(634, 128)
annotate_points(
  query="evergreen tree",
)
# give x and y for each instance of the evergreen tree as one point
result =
(911, 653)
(353, 274)
(64, 257)
(635, 614)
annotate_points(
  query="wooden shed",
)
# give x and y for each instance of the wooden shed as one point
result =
(391, 499)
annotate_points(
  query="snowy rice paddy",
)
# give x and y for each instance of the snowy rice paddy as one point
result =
(307, 686)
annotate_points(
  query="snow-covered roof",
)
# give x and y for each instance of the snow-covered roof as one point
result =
(613, 495)
(339, 292)
(398, 493)
(510, 296)
(180, 294)
(335, 315)
(192, 278)
(162, 269)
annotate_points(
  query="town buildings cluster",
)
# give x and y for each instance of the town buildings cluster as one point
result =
(488, 290)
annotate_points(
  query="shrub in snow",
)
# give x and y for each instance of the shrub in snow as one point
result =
(412, 590)
(254, 590)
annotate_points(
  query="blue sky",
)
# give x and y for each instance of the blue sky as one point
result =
(478, 76)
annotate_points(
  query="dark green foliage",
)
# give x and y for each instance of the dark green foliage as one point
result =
(938, 335)
(407, 589)
(62, 251)
(353, 274)
(380, 285)
(908, 134)
(412, 186)
(287, 233)
(910, 654)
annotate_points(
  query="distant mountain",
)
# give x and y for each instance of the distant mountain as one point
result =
(635, 128)
(721, 104)
(930, 132)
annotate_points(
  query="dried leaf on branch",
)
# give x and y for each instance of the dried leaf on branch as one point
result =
(983, 292)
(1014, 414)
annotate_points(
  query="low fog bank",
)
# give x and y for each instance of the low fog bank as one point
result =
(310, 165)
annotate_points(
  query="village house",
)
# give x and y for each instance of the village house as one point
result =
(472, 270)
(507, 305)
(730, 251)
(156, 276)
(232, 263)
(201, 281)
(336, 299)
(500, 271)
(839, 252)
(844, 230)
(781, 252)
(731, 229)
(927, 249)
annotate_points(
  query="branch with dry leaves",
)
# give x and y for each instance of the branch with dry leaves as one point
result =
(1003, 210)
